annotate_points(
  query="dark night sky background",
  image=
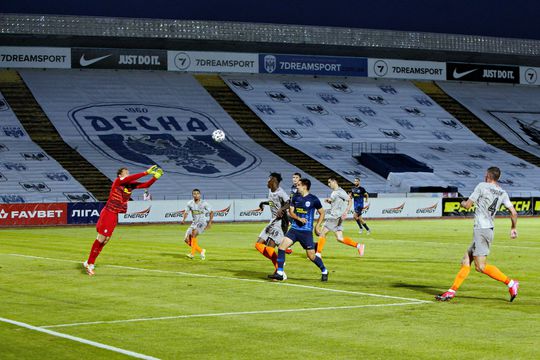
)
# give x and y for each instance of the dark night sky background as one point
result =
(517, 19)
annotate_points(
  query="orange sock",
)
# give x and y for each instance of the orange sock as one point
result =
(461, 276)
(271, 254)
(195, 246)
(267, 251)
(350, 242)
(493, 272)
(320, 244)
(259, 247)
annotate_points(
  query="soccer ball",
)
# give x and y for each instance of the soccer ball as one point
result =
(218, 135)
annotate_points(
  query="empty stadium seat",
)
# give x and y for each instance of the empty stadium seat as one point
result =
(136, 119)
(323, 116)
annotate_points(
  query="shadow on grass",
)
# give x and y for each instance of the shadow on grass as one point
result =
(419, 288)
(436, 291)
(177, 255)
(248, 274)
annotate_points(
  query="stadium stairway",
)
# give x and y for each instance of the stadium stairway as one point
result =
(472, 122)
(43, 133)
(260, 133)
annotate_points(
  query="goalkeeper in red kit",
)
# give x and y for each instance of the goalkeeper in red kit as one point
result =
(121, 190)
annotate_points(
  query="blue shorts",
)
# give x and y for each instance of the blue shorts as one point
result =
(358, 209)
(305, 238)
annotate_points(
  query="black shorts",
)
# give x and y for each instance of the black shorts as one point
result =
(305, 238)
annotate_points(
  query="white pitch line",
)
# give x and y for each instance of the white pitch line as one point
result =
(78, 339)
(256, 312)
(236, 279)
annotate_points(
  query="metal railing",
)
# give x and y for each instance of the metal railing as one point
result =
(25, 24)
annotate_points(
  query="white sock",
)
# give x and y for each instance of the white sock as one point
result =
(324, 272)
(452, 291)
(511, 283)
(280, 273)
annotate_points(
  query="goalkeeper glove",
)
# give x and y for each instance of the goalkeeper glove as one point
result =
(158, 173)
(152, 169)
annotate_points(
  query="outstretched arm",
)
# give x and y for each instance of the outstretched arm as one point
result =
(131, 178)
(145, 185)
(262, 203)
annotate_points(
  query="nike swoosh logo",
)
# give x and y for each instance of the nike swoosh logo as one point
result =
(460, 75)
(85, 62)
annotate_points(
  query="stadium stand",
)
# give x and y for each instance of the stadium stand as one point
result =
(261, 133)
(41, 131)
(27, 172)
(322, 117)
(513, 112)
(136, 119)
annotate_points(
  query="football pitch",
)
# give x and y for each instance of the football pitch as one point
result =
(148, 300)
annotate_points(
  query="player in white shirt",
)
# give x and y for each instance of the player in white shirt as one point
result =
(488, 197)
(202, 215)
(271, 235)
(340, 204)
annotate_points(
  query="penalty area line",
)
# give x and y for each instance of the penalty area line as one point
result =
(358, 293)
(257, 312)
(78, 339)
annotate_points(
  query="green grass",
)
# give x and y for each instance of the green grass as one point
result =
(407, 259)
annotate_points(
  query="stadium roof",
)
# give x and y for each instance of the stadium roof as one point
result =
(480, 17)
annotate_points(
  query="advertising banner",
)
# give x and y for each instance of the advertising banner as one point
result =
(35, 57)
(482, 73)
(402, 208)
(96, 58)
(529, 75)
(536, 210)
(248, 210)
(406, 69)
(172, 211)
(84, 213)
(33, 214)
(523, 206)
(207, 61)
(312, 65)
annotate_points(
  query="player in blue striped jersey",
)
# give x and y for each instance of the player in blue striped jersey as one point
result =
(302, 215)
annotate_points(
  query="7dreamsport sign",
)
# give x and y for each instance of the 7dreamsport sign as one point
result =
(406, 69)
(137, 59)
(207, 61)
(312, 65)
(34, 57)
(482, 73)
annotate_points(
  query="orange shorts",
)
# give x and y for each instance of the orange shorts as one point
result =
(107, 222)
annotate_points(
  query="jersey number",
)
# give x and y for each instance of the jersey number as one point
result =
(493, 207)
